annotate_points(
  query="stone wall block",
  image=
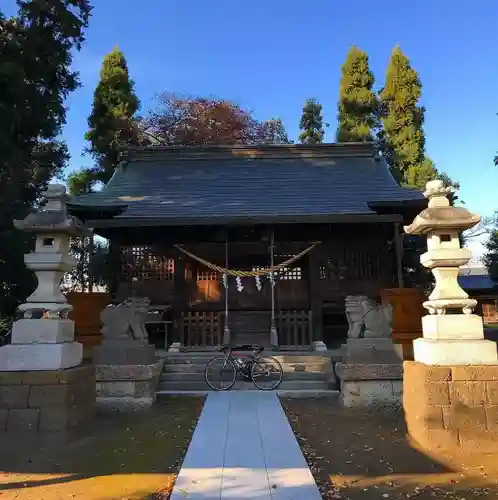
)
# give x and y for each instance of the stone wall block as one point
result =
(145, 389)
(466, 418)
(51, 396)
(474, 373)
(435, 393)
(11, 378)
(4, 414)
(492, 392)
(492, 417)
(468, 393)
(426, 373)
(397, 388)
(23, 420)
(14, 396)
(57, 419)
(115, 388)
(481, 442)
(435, 440)
(40, 378)
(427, 417)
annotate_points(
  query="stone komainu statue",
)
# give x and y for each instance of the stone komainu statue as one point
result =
(126, 321)
(367, 318)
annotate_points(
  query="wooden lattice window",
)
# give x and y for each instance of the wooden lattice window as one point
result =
(143, 263)
(290, 273)
(206, 274)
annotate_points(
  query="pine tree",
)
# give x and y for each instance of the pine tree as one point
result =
(357, 101)
(311, 123)
(491, 255)
(273, 132)
(111, 123)
(402, 135)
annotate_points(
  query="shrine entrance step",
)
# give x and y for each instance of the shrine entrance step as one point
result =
(302, 372)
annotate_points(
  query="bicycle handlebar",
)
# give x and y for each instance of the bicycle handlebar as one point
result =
(255, 349)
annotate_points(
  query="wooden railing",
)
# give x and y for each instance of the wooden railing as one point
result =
(295, 328)
(201, 329)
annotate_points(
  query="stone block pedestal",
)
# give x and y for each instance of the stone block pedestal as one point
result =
(125, 388)
(365, 384)
(48, 404)
(452, 408)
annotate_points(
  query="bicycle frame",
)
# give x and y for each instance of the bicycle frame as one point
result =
(252, 358)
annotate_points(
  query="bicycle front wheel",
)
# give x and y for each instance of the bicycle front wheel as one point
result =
(266, 373)
(220, 374)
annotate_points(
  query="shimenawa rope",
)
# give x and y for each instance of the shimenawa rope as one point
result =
(248, 274)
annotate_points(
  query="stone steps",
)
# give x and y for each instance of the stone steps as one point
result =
(309, 372)
(302, 393)
(193, 376)
(241, 385)
(184, 368)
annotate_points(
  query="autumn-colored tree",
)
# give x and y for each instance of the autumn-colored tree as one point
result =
(203, 121)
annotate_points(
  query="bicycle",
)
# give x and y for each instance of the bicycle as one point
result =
(252, 368)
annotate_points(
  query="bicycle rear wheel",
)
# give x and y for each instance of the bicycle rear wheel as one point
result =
(266, 373)
(220, 373)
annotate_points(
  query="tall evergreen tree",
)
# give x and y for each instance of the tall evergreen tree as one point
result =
(311, 123)
(273, 132)
(111, 124)
(357, 100)
(111, 120)
(36, 47)
(402, 135)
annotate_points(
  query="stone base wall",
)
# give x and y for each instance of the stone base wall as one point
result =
(370, 384)
(50, 403)
(127, 387)
(452, 408)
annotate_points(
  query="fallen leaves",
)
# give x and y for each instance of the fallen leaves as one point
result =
(364, 455)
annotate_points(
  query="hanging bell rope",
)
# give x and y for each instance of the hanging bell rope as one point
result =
(248, 274)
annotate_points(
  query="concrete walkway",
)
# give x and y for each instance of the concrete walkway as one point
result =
(243, 448)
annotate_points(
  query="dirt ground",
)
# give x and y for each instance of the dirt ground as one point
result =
(124, 457)
(365, 455)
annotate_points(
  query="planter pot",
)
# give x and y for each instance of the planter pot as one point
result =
(86, 316)
(407, 315)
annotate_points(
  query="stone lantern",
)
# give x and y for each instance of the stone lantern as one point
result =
(44, 338)
(452, 334)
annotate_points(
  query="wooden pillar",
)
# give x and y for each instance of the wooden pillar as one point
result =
(115, 265)
(179, 300)
(90, 261)
(315, 294)
(398, 240)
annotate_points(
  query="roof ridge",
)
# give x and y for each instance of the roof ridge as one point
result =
(263, 151)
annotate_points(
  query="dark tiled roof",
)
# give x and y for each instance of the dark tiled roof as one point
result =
(297, 182)
(477, 282)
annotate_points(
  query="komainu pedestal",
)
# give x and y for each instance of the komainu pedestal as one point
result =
(370, 371)
(127, 372)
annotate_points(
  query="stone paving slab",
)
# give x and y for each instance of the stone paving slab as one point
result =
(243, 448)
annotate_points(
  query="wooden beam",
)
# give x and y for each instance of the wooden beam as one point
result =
(398, 240)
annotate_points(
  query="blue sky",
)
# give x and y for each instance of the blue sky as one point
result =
(271, 55)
